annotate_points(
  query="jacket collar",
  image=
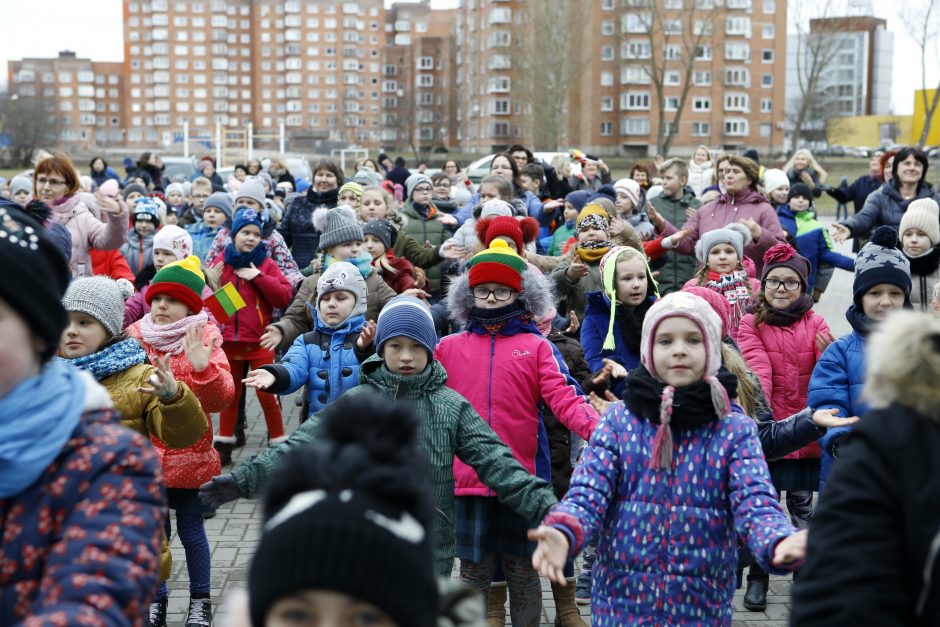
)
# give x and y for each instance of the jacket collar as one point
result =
(373, 371)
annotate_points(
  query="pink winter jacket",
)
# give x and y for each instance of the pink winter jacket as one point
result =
(504, 377)
(88, 231)
(783, 358)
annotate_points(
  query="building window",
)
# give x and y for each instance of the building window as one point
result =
(500, 129)
(635, 22)
(608, 28)
(425, 63)
(738, 26)
(767, 55)
(634, 75)
(635, 101)
(607, 5)
(499, 107)
(737, 102)
(634, 126)
(671, 103)
(499, 84)
(765, 130)
(501, 15)
(672, 52)
(607, 103)
(702, 78)
(607, 53)
(740, 4)
(703, 53)
(767, 80)
(607, 79)
(701, 103)
(737, 51)
(701, 129)
(672, 77)
(737, 76)
(770, 7)
(767, 31)
(607, 129)
(636, 49)
(736, 127)
(766, 105)
(672, 27)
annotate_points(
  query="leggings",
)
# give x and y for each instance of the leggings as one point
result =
(192, 534)
(272, 411)
(525, 589)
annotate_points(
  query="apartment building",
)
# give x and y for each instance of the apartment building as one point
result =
(84, 96)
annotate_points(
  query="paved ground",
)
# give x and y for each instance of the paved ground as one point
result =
(234, 531)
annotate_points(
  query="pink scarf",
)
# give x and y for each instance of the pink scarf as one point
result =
(169, 338)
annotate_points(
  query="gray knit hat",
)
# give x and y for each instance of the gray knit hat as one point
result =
(101, 298)
(175, 187)
(21, 184)
(343, 276)
(738, 235)
(413, 181)
(252, 188)
(336, 226)
(134, 187)
(367, 177)
(221, 201)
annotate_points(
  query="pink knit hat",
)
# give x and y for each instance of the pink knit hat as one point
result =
(719, 304)
(696, 309)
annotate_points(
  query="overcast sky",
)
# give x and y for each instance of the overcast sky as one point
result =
(94, 29)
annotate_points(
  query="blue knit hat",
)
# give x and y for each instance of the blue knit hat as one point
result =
(246, 216)
(578, 199)
(408, 316)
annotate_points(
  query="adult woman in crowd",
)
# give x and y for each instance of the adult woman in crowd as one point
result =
(279, 171)
(56, 184)
(503, 165)
(701, 170)
(254, 166)
(151, 164)
(862, 187)
(297, 224)
(206, 168)
(100, 172)
(740, 202)
(461, 189)
(803, 168)
(562, 165)
(886, 206)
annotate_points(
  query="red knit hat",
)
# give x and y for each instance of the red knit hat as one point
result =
(521, 232)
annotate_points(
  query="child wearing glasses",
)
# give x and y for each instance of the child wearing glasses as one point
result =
(506, 369)
(781, 341)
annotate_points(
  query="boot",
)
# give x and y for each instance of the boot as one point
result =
(755, 599)
(566, 610)
(224, 445)
(496, 609)
(200, 613)
(157, 615)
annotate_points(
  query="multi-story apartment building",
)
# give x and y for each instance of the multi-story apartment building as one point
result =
(85, 97)
(733, 98)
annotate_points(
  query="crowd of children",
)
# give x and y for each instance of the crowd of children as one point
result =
(654, 358)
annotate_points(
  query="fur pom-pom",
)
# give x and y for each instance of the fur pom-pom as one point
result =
(743, 230)
(884, 236)
(530, 229)
(481, 226)
(319, 218)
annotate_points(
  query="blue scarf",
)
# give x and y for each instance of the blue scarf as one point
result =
(244, 260)
(36, 420)
(115, 358)
(363, 263)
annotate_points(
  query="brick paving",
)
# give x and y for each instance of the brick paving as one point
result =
(235, 529)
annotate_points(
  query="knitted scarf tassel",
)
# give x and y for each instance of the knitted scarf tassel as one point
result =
(719, 396)
(609, 343)
(661, 459)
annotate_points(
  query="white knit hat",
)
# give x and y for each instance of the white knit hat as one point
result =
(774, 178)
(174, 239)
(922, 214)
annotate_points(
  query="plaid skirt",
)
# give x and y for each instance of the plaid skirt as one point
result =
(484, 526)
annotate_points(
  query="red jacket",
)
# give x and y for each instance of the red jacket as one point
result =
(262, 295)
(192, 466)
(404, 279)
(110, 263)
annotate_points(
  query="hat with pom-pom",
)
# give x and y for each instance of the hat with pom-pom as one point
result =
(351, 186)
(249, 217)
(630, 188)
(182, 280)
(735, 234)
(337, 226)
(608, 268)
(521, 232)
(698, 311)
(880, 261)
(497, 264)
(785, 256)
(100, 297)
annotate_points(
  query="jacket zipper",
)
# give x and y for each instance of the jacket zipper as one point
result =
(489, 397)
(927, 576)
(238, 285)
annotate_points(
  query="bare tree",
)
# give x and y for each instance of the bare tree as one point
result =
(922, 20)
(547, 56)
(29, 122)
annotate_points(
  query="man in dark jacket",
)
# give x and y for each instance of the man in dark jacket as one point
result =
(673, 205)
(399, 174)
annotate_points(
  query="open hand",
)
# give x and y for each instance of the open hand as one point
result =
(753, 226)
(271, 338)
(823, 340)
(791, 551)
(840, 233)
(197, 351)
(658, 221)
(446, 219)
(248, 273)
(574, 325)
(601, 405)
(213, 274)
(109, 204)
(550, 554)
(416, 292)
(161, 381)
(259, 379)
(576, 271)
(827, 419)
(453, 251)
(367, 335)
(551, 205)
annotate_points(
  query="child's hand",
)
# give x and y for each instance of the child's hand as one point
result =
(658, 221)
(823, 341)
(416, 292)
(617, 225)
(576, 271)
(827, 419)
(213, 274)
(678, 236)
(616, 370)
(550, 554)
(789, 552)
(162, 383)
(573, 323)
(196, 351)
(260, 379)
(840, 233)
(272, 338)
(453, 251)
(248, 273)
(447, 220)
(753, 226)
(551, 205)
(367, 335)
(599, 404)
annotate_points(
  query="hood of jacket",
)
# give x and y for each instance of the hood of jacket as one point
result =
(537, 296)
(134, 238)
(432, 378)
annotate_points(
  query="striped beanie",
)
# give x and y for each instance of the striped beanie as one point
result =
(182, 280)
(497, 264)
(351, 186)
(608, 268)
(407, 316)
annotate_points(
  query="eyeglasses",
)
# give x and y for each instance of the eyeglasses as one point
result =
(423, 189)
(500, 293)
(200, 196)
(789, 285)
(43, 181)
(442, 184)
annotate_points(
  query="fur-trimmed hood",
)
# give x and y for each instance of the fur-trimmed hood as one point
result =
(537, 296)
(904, 363)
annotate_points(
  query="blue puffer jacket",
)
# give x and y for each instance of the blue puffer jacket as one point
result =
(885, 207)
(837, 383)
(324, 359)
(593, 332)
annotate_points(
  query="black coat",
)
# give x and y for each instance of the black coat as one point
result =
(559, 437)
(874, 541)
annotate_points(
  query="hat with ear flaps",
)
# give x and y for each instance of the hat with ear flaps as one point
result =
(697, 310)
(608, 268)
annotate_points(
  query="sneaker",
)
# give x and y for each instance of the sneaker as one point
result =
(157, 616)
(200, 613)
(582, 594)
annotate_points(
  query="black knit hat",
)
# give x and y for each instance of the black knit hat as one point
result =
(383, 230)
(36, 275)
(800, 189)
(351, 513)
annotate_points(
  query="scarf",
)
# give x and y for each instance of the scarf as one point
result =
(37, 418)
(426, 212)
(671, 408)
(493, 320)
(115, 358)
(735, 287)
(244, 260)
(630, 320)
(169, 338)
(925, 264)
(592, 252)
(363, 263)
(790, 315)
